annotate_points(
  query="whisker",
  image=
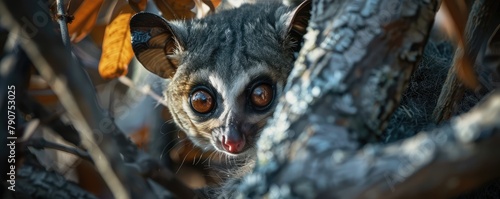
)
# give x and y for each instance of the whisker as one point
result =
(216, 154)
(231, 160)
(182, 163)
(165, 148)
(207, 158)
(163, 152)
(210, 157)
(201, 157)
(175, 139)
(235, 159)
(168, 133)
(163, 125)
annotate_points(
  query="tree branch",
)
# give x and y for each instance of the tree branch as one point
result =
(63, 24)
(75, 91)
(349, 78)
(100, 136)
(27, 105)
(323, 139)
(40, 143)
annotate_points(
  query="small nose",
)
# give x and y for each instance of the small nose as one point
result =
(233, 145)
(233, 142)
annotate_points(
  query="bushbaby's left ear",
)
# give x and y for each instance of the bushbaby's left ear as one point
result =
(156, 43)
(298, 21)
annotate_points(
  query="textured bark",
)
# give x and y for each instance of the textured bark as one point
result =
(357, 58)
(38, 183)
(324, 138)
(356, 61)
(492, 56)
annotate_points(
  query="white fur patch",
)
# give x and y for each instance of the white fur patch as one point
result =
(229, 93)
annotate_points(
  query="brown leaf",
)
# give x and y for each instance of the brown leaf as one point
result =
(97, 34)
(466, 72)
(141, 137)
(138, 5)
(116, 48)
(109, 10)
(212, 3)
(455, 20)
(216, 3)
(85, 18)
(176, 9)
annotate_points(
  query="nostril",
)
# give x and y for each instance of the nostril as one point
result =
(234, 145)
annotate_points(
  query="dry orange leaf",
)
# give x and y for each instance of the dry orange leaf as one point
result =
(109, 10)
(138, 5)
(97, 34)
(212, 3)
(216, 2)
(454, 25)
(116, 47)
(176, 9)
(141, 137)
(185, 9)
(85, 18)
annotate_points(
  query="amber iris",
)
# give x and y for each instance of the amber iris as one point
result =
(202, 101)
(261, 95)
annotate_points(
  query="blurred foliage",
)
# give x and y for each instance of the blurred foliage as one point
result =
(106, 21)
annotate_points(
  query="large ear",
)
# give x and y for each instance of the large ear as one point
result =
(155, 44)
(298, 22)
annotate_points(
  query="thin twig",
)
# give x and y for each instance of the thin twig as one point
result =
(40, 143)
(28, 105)
(146, 90)
(104, 141)
(77, 95)
(61, 18)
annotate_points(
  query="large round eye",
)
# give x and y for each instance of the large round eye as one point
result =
(201, 101)
(261, 95)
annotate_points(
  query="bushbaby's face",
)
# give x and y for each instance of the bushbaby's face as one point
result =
(227, 70)
(225, 113)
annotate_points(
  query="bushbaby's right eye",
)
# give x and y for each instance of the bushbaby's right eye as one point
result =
(261, 95)
(201, 101)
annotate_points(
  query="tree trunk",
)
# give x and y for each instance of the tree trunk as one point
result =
(324, 138)
(358, 57)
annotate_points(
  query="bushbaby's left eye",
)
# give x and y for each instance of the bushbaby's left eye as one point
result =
(202, 101)
(261, 95)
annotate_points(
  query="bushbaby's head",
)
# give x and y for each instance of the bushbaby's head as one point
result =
(226, 71)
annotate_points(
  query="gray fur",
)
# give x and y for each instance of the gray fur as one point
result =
(221, 51)
(236, 40)
(227, 52)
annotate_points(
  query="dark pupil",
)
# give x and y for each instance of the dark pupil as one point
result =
(201, 101)
(261, 95)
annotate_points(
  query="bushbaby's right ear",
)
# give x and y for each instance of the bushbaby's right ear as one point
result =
(155, 44)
